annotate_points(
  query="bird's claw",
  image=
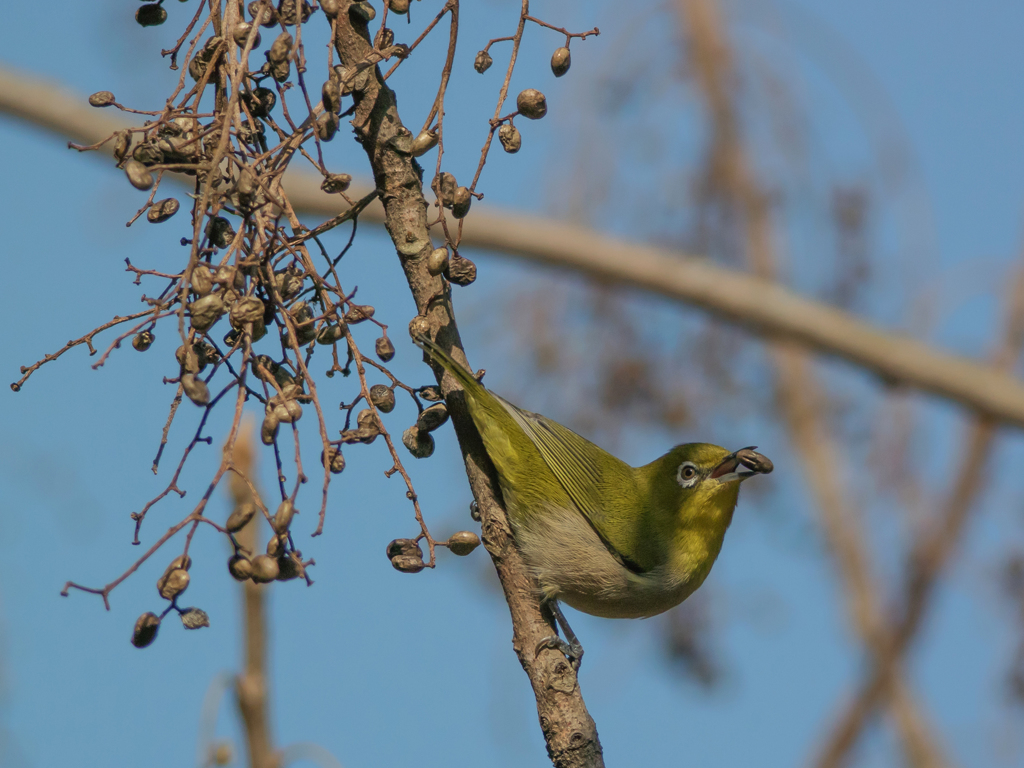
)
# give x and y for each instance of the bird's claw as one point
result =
(572, 651)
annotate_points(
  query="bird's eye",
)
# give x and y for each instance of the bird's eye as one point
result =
(687, 474)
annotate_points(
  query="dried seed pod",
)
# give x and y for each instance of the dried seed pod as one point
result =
(560, 61)
(350, 436)
(419, 326)
(437, 261)
(122, 143)
(532, 104)
(260, 103)
(335, 183)
(206, 311)
(398, 6)
(276, 545)
(220, 232)
(461, 202)
(143, 340)
(444, 186)
(408, 563)
(304, 335)
(404, 547)
(382, 398)
(264, 569)
(384, 348)
(330, 94)
(151, 15)
(229, 277)
(195, 389)
(173, 583)
(287, 10)
(463, 542)
(138, 174)
(510, 139)
(269, 12)
(461, 270)
(280, 49)
(194, 618)
(474, 510)
(251, 132)
(148, 153)
(326, 126)
(210, 52)
(344, 77)
(245, 188)
(268, 430)
(240, 516)
(288, 284)
(289, 566)
(206, 352)
(201, 280)
(301, 312)
(385, 39)
(423, 143)
(430, 393)
(247, 309)
(367, 421)
(241, 35)
(333, 460)
(102, 99)
(287, 412)
(331, 8)
(240, 567)
(191, 359)
(263, 367)
(329, 334)
(357, 313)
(431, 418)
(162, 210)
(283, 517)
(146, 627)
(482, 62)
(181, 561)
(362, 11)
(420, 444)
(286, 381)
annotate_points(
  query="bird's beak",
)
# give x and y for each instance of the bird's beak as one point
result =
(744, 463)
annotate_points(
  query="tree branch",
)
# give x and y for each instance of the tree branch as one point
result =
(802, 400)
(251, 685)
(569, 731)
(760, 305)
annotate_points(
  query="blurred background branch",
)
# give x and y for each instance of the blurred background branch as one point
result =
(755, 302)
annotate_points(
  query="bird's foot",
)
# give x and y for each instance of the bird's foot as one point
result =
(573, 651)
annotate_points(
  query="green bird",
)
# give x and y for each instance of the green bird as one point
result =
(606, 538)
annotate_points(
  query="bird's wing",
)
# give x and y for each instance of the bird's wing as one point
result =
(571, 459)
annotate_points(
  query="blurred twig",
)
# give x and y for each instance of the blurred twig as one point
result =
(927, 560)
(802, 400)
(762, 306)
(251, 685)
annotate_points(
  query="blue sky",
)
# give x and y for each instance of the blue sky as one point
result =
(381, 667)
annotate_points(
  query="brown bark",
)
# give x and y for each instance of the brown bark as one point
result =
(569, 731)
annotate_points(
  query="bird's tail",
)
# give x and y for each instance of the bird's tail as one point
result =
(442, 358)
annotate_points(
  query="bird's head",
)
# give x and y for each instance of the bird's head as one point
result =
(705, 479)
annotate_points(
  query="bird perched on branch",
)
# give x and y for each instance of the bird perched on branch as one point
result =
(609, 539)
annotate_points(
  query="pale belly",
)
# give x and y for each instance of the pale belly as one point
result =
(572, 564)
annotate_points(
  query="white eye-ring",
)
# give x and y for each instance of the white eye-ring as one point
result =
(688, 474)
